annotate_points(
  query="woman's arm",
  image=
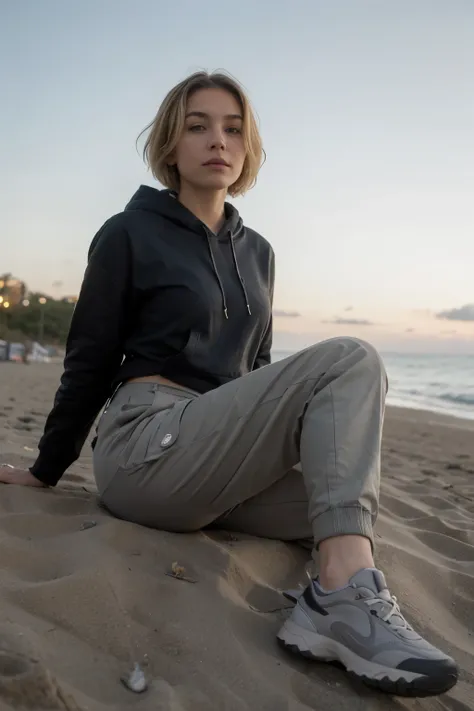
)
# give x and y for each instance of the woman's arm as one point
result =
(264, 353)
(94, 351)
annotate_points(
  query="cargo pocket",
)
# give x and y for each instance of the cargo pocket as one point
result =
(168, 431)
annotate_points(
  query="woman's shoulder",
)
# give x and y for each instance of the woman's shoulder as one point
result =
(124, 221)
(258, 242)
(127, 227)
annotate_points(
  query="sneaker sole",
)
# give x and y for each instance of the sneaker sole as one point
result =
(311, 645)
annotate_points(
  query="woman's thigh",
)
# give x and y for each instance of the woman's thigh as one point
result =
(206, 455)
(279, 512)
(189, 465)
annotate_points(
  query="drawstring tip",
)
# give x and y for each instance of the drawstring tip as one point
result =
(248, 309)
(226, 314)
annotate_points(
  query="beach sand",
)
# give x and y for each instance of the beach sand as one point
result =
(83, 596)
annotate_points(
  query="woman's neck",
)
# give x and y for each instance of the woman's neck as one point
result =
(207, 205)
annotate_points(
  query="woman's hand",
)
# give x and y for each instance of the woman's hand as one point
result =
(21, 477)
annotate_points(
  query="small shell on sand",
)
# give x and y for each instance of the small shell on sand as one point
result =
(178, 570)
(135, 680)
(88, 524)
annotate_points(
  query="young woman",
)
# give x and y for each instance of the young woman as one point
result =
(173, 328)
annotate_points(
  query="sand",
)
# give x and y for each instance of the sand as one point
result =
(83, 595)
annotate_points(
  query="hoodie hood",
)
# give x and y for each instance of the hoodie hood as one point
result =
(166, 203)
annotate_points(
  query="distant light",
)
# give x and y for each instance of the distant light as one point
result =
(25, 302)
(2, 283)
(1, 299)
(6, 305)
(42, 300)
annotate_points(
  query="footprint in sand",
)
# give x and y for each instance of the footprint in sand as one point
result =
(25, 683)
(453, 466)
(23, 428)
(430, 472)
(26, 419)
(447, 546)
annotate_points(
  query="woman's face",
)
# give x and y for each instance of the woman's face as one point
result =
(210, 153)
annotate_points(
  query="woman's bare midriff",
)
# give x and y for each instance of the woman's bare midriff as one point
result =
(155, 379)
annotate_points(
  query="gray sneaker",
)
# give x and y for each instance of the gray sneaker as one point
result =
(362, 627)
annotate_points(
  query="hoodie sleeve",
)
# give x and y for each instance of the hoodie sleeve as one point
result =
(93, 352)
(264, 353)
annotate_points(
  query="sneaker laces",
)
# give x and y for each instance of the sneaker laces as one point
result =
(393, 616)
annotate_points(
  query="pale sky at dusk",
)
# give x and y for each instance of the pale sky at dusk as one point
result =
(366, 109)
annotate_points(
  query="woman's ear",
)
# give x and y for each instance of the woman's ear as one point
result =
(171, 160)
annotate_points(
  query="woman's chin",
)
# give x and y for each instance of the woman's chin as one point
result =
(212, 182)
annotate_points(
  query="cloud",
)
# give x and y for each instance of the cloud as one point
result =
(349, 308)
(350, 322)
(422, 312)
(409, 330)
(463, 313)
(278, 313)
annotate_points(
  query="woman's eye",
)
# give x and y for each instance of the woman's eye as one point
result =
(197, 127)
(234, 129)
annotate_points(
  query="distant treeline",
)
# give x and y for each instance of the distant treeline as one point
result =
(44, 322)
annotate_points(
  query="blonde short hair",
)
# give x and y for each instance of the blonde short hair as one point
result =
(166, 128)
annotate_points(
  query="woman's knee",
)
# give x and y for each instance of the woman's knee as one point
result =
(348, 345)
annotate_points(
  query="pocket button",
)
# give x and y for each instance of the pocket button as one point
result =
(167, 440)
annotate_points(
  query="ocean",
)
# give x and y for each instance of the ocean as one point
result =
(439, 383)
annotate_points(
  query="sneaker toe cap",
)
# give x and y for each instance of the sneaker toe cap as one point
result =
(441, 668)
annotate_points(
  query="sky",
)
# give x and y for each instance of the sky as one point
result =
(366, 109)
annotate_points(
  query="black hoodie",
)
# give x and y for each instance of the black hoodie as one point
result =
(162, 295)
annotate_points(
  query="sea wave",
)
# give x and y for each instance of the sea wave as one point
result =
(457, 398)
(462, 399)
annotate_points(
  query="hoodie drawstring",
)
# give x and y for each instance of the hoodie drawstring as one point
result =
(219, 280)
(242, 283)
(214, 266)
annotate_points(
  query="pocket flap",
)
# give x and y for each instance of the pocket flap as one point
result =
(170, 426)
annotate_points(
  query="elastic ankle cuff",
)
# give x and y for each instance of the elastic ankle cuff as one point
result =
(344, 521)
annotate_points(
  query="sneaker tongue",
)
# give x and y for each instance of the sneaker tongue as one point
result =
(372, 579)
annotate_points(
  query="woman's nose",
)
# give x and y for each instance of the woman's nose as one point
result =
(217, 140)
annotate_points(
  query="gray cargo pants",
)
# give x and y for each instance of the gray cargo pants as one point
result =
(289, 451)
